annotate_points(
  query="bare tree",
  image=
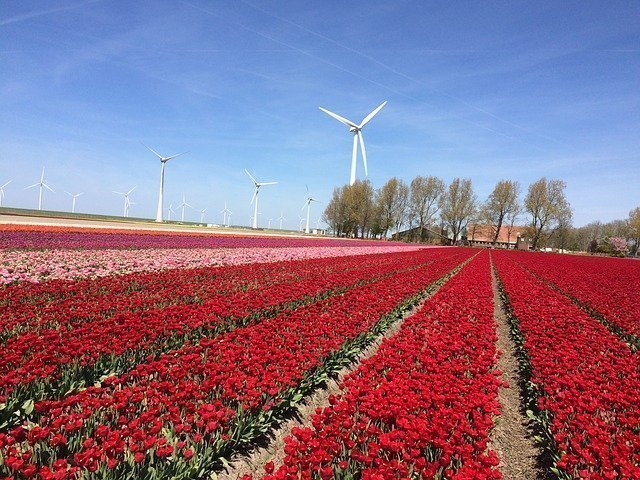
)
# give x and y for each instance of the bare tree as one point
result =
(634, 230)
(390, 204)
(424, 201)
(548, 206)
(458, 206)
(502, 206)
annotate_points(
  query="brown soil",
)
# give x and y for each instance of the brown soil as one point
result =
(512, 436)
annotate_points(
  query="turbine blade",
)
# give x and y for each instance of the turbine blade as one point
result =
(48, 187)
(364, 153)
(78, 194)
(129, 192)
(70, 194)
(368, 118)
(6, 184)
(250, 176)
(268, 183)
(348, 123)
(119, 193)
(42, 176)
(255, 194)
(31, 186)
(156, 153)
(166, 159)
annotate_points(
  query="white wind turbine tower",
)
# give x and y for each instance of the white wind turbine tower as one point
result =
(225, 211)
(73, 202)
(2, 191)
(281, 218)
(171, 210)
(270, 220)
(182, 205)
(202, 212)
(40, 184)
(307, 204)
(163, 161)
(254, 199)
(127, 202)
(357, 137)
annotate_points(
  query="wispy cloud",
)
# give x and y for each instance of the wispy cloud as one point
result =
(40, 13)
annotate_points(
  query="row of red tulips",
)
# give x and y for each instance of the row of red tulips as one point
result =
(48, 363)
(422, 406)
(583, 381)
(607, 286)
(63, 302)
(177, 416)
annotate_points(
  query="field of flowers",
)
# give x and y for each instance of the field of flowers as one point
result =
(147, 355)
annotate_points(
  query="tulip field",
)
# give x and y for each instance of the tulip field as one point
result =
(152, 355)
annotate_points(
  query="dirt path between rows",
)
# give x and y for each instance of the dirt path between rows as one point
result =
(512, 437)
(253, 463)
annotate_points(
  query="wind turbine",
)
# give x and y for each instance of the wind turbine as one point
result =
(270, 220)
(224, 213)
(357, 137)
(40, 184)
(2, 191)
(307, 204)
(254, 199)
(170, 211)
(127, 203)
(73, 202)
(281, 218)
(182, 205)
(163, 161)
(202, 212)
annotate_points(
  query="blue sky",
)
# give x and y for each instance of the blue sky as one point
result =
(482, 90)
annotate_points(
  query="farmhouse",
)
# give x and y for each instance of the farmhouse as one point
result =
(509, 236)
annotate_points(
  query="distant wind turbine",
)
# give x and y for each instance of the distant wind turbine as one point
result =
(307, 204)
(357, 137)
(202, 212)
(225, 211)
(41, 184)
(270, 220)
(281, 218)
(127, 202)
(254, 199)
(2, 191)
(73, 202)
(182, 205)
(163, 161)
(170, 211)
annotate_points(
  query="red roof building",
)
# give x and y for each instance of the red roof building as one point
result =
(508, 236)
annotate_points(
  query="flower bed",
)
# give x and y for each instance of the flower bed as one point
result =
(609, 286)
(37, 266)
(74, 346)
(177, 415)
(422, 406)
(43, 237)
(583, 380)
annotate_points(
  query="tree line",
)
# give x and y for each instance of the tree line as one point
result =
(428, 204)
